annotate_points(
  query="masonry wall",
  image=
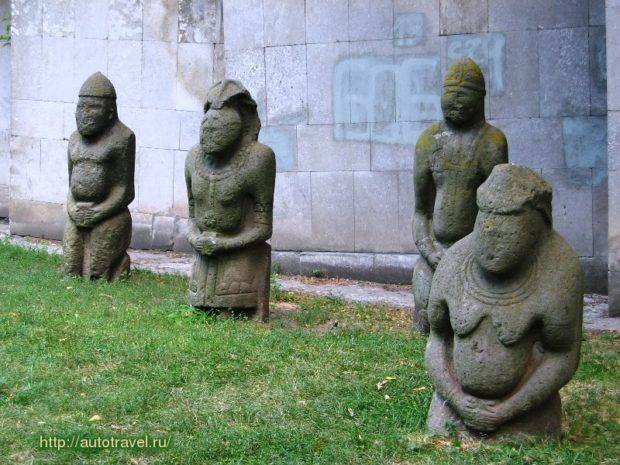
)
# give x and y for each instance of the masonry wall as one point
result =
(5, 107)
(344, 88)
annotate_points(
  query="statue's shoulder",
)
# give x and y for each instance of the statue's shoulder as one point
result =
(495, 136)
(121, 131)
(191, 156)
(563, 266)
(430, 134)
(261, 156)
(450, 266)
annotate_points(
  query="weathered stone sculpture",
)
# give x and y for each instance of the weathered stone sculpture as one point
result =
(101, 185)
(230, 182)
(505, 314)
(452, 158)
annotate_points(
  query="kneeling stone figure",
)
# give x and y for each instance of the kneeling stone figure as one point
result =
(505, 314)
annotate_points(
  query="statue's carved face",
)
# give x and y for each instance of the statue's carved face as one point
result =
(220, 129)
(93, 115)
(460, 104)
(503, 241)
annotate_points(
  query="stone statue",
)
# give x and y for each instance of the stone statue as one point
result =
(505, 314)
(101, 174)
(230, 182)
(452, 158)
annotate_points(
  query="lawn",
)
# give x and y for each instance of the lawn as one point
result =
(86, 360)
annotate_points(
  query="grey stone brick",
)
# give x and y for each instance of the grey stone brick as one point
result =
(394, 268)
(26, 17)
(26, 60)
(68, 117)
(463, 16)
(371, 20)
(141, 231)
(53, 180)
(38, 219)
(391, 157)
(614, 293)
(159, 74)
(406, 206)
(194, 75)
(285, 262)
(163, 232)
(148, 126)
(509, 15)
(322, 80)
(333, 223)
(613, 65)
(91, 19)
(338, 265)
(58, 18)
(598, 71)
(585, 145)
(376, 212)
(180, 206)
(285, 22)
(292, 212)
(600, 205)
(5, 157)
(190, 128)
(572, 209)
(180, 242)
(327, 21)
(597, 12)
(200, 21)
(534, 142)
(595, 274)
(161, 20)
(429, 11)
(283, 141)
(125, 71)
(37, 119)
(564, 58)
(613, 139)
(154, 178)
(521, 94)
(58, 59)
(317, 150)
(286, 84)
(125, 19)
(614, 221)
(248, 66)
(91, 55)
(24, 164)
(243, 24)
(5, 88)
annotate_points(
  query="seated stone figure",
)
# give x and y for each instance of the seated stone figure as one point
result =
(230, 182)
(505, 313)
(101, 185)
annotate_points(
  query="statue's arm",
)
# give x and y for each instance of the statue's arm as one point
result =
(424, 191)
(193, 232)
(71, 207)
(496, 150)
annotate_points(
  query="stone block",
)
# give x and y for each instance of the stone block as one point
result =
(5, 157)
(613, 140)
(600, 206)
(463, 16)
(598, 71)
(157, 129)
(26, 17)
(285, 262)
(613, 65)
(180, 242)
(159, 74)
(5, 88)
(371, 20)
(25, 166)
(219, 63)
(337, 265)
(324, 83)
(283, 142)
(327, 21)
(585, 145)
(58, 18)
(91, 55)
(141, 231)
(597, 13)
(125, 71)
(317, 150)
(564, 58)
(406, 206)
(190, 128)
(37, 119)
(614, 293)
(285, 22)
(125, 20)
(286, 84)
(391, 157)
(160, 20)
(614, 221)
(58, 59)
(520, 97)
(595, 274)
(163, 232)
(52, 184)
(180, 206)
(292, 212)
(91, 19)
(38, 219)
(194, 75)
(376, 212)
(394, 268)
(430, 23)
(333, 221)
(154, 176)
(572, 208)
(248, 66)
(508, 15)
(5, 199)
(200, 21)
(243, 24)
(26, 60)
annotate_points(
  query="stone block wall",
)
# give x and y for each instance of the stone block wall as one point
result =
(344, 88)
(5, 107)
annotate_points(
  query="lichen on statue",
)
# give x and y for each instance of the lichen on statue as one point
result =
(452, 158)
(101, 161)
(505, 314)
(230, 180)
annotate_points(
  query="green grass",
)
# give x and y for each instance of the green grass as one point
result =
(301, 390)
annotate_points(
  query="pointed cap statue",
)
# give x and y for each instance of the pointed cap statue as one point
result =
(97, 85)
(465, 73)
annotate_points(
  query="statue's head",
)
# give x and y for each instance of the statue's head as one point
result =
(96, 108)
(462, 99)
(514, 213)
(230, 117)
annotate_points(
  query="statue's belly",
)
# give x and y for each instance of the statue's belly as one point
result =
(487, 368)
(89, 182)
(454, 214)
(218, 218)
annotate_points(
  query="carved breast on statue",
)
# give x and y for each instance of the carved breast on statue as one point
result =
(89, 181)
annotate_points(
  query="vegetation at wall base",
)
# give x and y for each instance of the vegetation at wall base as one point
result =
(326, 382)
